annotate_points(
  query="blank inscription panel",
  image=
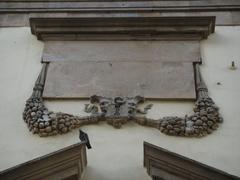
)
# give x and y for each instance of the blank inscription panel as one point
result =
(155, 70)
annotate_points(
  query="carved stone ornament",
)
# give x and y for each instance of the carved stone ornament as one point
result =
(119, 110)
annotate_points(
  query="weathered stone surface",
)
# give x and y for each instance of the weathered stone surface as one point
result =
(56, 4)
(226, 18)
(163, 164)
(202, 122)
(165, 80)
(123, 28)
(121, 51)
(227, 12)
(129, 77)
(198, 122)
(51, 166)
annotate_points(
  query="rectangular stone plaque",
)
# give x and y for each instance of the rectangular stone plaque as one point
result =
(112, 51)
(155, 80)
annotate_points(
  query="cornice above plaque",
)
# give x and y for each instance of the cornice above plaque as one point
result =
(123, 28)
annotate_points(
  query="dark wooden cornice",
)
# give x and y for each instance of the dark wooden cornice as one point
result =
(123, 28)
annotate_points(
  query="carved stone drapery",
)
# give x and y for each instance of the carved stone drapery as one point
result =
(119, 110)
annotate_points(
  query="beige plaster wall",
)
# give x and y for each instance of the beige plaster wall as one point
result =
(118, 153)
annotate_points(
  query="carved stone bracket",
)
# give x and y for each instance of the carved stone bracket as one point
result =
(119, 110)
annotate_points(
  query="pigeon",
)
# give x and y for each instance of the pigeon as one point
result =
(84, 138)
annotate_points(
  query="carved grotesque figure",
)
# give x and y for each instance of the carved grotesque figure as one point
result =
(117, 110)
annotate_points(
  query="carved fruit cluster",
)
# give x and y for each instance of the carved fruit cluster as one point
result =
(172, 126)
(45, 123)
(205, 119)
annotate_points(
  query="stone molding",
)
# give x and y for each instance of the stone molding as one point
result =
(15, 6)
(118, 111)
(123, 28)
(16, 13)
(107, 51)
(65, 163)
(163, 164)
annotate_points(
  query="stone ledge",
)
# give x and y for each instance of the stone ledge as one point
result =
(64, 163)
(123, 28)
(163, 164)
(168, 5)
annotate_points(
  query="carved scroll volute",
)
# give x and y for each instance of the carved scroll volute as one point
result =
(104, 103)
(117, 106)
(118, 110)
